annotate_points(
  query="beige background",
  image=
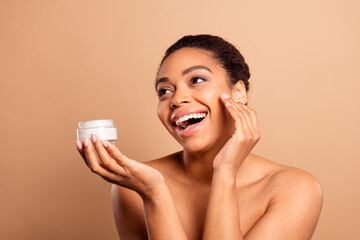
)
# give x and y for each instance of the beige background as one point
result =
(67, 61)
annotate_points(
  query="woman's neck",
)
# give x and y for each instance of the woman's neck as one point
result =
(198, 166)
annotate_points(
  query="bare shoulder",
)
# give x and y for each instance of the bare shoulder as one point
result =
(287, 180)
(299, 190)
(167, 165)
(294, 182)
(295, 198)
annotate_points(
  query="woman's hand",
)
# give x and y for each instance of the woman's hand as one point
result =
(244, 138)
(105, 159)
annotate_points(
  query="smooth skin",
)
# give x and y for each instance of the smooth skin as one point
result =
(215, 188)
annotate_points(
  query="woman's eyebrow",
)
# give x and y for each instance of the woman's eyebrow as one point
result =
(186, 71)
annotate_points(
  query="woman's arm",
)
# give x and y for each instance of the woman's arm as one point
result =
(161, 216)
(136, 218)
(222, 217)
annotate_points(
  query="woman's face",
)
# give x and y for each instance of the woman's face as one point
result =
(189, 84)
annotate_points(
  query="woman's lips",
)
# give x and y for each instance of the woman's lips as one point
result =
(185, 120)
(183, 113)
(190, 129)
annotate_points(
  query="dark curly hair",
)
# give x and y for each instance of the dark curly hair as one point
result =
(224, 52)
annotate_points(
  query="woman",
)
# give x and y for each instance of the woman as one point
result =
(215, 188)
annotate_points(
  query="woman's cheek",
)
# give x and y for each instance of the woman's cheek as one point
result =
(210, 93)
(161, 112)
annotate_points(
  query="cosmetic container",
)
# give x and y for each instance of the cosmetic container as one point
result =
(105, 129)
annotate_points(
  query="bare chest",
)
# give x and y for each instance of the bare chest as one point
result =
(191, 204)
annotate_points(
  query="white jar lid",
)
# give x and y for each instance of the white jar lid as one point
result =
(104, 128)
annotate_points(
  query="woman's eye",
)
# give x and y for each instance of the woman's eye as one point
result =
(197, 80)
(163, 91)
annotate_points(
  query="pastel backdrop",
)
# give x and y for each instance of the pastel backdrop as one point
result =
(67, 61)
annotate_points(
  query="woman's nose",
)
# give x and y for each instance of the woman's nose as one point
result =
(179, 98)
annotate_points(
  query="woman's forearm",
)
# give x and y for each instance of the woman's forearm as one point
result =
(222, 217)
(161, 217)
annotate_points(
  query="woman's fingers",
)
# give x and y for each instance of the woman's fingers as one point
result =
(115, 153)
(236, 113)
(250, 116)
(93, 162)
(244, 116)
(254, 121)
(105, 160)
(243, 109)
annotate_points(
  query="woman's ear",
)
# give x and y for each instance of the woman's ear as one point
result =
(239, 92)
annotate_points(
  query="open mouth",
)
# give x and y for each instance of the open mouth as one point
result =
(188, 121)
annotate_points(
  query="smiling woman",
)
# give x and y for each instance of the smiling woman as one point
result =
(215, 188)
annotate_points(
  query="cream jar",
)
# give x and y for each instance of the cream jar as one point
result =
(105, 129)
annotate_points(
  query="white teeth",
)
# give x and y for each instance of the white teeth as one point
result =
(180, 120)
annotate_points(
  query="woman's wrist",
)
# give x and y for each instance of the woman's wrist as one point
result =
(226, 172)
(155, 194)
(226, 177)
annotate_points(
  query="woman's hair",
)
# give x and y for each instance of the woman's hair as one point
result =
(224, 52)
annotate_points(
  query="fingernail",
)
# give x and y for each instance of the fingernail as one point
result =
(93, 138)
(104, 143)
(86, 142)
(228, 104)
(225, 96)
(78, 145)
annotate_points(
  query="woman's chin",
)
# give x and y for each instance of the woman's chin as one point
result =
(197, 146)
